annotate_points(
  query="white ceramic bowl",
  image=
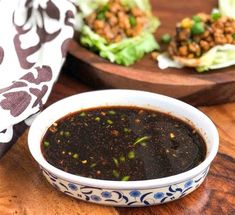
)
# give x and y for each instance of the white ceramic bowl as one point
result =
(121, 193)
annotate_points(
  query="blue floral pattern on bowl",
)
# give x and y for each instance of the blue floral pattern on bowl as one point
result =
(128, 198)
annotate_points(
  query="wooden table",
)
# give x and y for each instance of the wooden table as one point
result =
(23, 189)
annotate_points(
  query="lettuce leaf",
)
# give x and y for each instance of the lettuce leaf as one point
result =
(127, 51)
(218, 57)
(144, 5)
(165, 61)
(227, 8)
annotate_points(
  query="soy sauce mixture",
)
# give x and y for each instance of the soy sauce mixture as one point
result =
(122, 143)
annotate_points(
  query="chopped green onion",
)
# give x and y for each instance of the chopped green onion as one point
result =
(198, 28)
(215, 16)
(102, 11)
(141, 139)
(105, 8)
(132, 20)
(233, 36)
(166, 38)
(116, 173)
(100, 16)
(112, 112)
(115, 160)
(97, 119)
(93, 165)
(110, 122)
(126, 178)
(82, 114)
(75, 156)
(122, 159)
(67, 134)
(46, 143)
(127, 130)
(197, 19)
(143, 144)
(131, 155)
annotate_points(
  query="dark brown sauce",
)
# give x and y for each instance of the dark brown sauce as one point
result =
(123, 143)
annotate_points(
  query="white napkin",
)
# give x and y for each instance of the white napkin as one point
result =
(33, 40)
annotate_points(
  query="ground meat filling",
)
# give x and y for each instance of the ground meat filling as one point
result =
(196, 36)
(115, 22)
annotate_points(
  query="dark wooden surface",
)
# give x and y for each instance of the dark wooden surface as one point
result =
(213, 87)
(24, 191)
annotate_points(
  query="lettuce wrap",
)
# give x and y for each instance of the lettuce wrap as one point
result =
(128, 50)
(219, 56)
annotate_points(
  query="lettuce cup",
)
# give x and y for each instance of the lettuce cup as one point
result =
(118, 30)
(204, 41)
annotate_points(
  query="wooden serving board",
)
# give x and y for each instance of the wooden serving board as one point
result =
(208, 88)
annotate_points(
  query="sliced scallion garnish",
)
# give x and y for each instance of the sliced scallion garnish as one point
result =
(131, 155)
(126, 178)
(141, 140)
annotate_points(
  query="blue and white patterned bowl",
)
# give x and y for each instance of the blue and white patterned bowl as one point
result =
(124, 193)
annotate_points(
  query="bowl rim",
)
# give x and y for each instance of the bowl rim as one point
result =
(122, 185)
